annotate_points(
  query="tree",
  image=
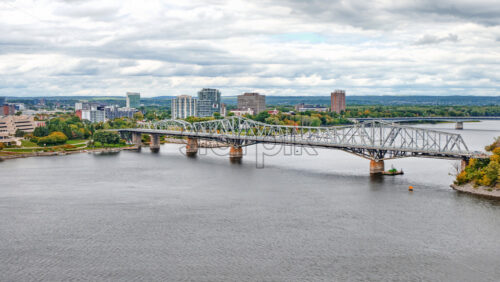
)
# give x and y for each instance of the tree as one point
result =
(41, 131)
(106, 137)
(55, 138)
(138, 116)
(262, 116)
(19, 133)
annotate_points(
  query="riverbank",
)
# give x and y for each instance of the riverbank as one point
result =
(488, 192)
(11, 156)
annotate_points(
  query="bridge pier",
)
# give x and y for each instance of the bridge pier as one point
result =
(235, 154)
(192, 147)
(137, 139)
(154, 145)
(377, 167)
(459, 125)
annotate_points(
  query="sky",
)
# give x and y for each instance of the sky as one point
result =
(274, 47)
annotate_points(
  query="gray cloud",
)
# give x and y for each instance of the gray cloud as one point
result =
(90, 47)
(432, 39)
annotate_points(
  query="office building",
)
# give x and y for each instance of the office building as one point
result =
(338, 101)
(223, 109)
(208, 102)
(2, 101)
(8, 109)
(10, 124)
(133, 100)
(184, 106)
(96, 113)
(254, 101)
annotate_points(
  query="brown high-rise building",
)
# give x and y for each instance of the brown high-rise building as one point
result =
(253, 101)
(338, 101)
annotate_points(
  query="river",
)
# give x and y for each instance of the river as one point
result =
(294, 216)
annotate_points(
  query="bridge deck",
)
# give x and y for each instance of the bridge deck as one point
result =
(375, 140)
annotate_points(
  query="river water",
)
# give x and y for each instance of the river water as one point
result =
(294, 216)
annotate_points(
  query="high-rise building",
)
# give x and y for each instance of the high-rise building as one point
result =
(184, 106)
(8, 109)
(208, 102)
(2, 101)
(338, 101)
(253, 101)
(96, 113)
(133, 100)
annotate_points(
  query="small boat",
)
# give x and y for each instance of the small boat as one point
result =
(393, 171)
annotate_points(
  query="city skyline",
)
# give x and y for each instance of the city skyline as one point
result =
(277, 48)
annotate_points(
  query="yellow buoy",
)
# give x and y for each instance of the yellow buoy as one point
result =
(410, 188)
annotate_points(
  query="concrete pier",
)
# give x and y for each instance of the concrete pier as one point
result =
(459, 125)
(377, 167)
(154, 146)
(137, 139)
(192, 147)
(235, 154)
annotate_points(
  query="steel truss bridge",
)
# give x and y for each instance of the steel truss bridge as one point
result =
(375, 140)
(410, 119)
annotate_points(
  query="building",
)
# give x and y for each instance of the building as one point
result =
(223, 110)
(184, 106)
(96, 113)
(114, 112)
(254, 101)
(133, 100)
(2, 101)
(208, 102)
(315, 108)
(273, 112)
(10, 124)
(242, 112)
(8, 109)
(338, 101)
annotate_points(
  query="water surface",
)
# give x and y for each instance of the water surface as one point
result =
(146, 216)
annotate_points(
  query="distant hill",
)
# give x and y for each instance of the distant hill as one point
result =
(164, 101)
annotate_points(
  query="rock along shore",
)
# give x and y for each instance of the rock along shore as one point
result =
(480, 191)
(63, 153)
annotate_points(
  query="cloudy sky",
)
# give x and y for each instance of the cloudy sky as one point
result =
(276, 47)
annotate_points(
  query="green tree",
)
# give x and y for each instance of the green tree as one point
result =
(106, 137)
(19, 133)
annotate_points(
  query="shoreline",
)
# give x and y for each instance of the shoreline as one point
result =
(203, 144)
(479, 191)
(63, 153)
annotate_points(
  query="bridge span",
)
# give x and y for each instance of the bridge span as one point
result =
(459, 121)
(374, 140)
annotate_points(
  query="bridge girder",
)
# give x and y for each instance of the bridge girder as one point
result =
(376, 140)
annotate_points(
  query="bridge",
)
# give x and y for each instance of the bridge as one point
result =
(374, 140)
(458, 120)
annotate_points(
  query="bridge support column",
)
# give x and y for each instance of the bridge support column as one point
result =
(235, 154)
(154, 146)
(136, 139)
(192, 147)
(459, 125)
(377, 167)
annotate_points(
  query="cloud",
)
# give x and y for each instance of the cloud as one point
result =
(432, 39)
(278, 47)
